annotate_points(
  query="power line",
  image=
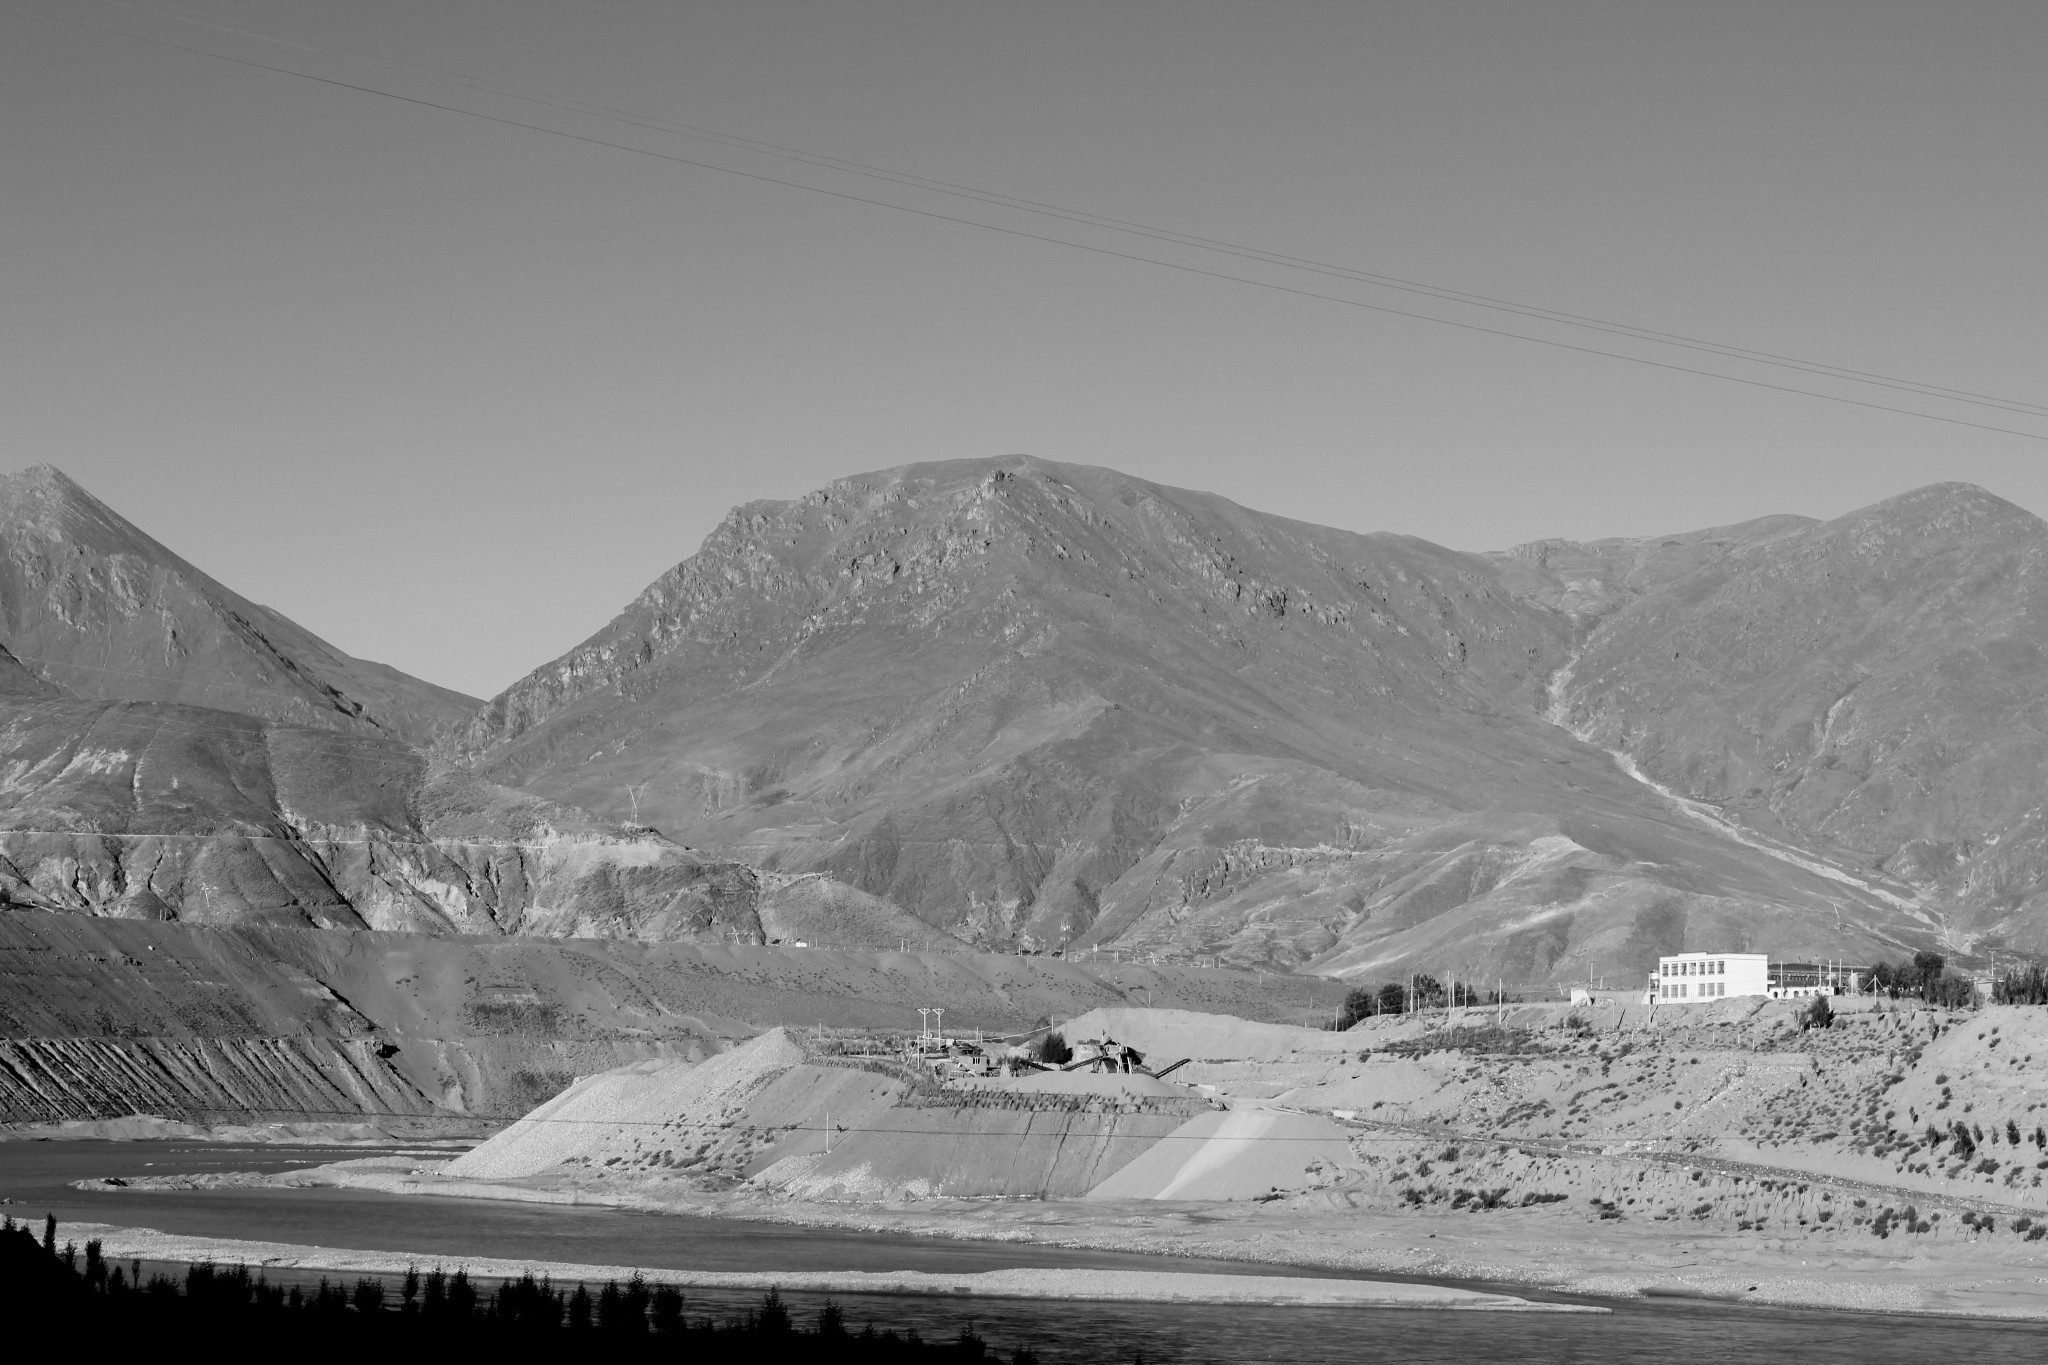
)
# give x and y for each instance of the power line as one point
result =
(1732, 352)
(1041, 207)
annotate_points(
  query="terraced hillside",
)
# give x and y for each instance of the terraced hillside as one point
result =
(103, 1018)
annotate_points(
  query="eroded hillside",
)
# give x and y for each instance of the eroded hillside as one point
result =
(1045, 705)
(150, 811)
(1868, 690)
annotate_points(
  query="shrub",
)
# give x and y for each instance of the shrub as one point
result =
(1358, 1003)
(1052, 1050)
(1819, 1014)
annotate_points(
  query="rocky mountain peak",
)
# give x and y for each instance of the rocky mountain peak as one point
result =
(92, 603)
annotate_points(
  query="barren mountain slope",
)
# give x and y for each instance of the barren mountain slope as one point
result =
(149, 811)
(1045, 704)
(1872, 687)
(91, 603)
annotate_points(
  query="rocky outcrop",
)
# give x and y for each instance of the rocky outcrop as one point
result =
(162, 812)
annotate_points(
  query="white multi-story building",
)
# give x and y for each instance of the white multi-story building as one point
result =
(1688, 978)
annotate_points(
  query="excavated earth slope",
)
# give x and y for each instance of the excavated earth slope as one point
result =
(1896, 1121)
(101, 1018)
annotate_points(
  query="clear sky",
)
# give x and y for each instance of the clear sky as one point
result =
(450, 392)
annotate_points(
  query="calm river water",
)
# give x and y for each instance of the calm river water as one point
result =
(35, 1176)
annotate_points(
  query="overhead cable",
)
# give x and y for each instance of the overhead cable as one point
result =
(1818, 369)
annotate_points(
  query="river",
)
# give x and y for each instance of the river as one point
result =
(35, 1179)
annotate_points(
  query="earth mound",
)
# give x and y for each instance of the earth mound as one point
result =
(1166, 1035)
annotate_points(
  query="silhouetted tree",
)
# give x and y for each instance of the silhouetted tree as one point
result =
(668, 1309)
(1052, 1049)
(1358, 1003)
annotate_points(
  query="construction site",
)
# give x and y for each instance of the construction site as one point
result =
(1611, 1148)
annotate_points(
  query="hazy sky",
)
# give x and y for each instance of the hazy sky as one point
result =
(450, 392)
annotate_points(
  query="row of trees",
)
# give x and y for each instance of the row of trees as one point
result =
(1419, 992)
(1926, 977)
(2026, 986)
(111, 1305)
(1929, 978)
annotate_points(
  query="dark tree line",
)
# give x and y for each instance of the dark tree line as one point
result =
(88, 1303)
(1419, 992)
(1927, 978)
(2026, 986)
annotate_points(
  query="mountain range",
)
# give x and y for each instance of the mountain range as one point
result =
(1030, 706)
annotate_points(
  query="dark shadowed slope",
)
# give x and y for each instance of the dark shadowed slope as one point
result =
(92, 604)
(1875, 687)
(1044, 704)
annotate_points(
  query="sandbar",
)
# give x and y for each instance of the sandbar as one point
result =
(1074, 1285)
